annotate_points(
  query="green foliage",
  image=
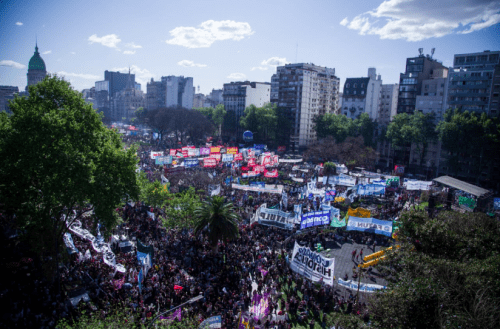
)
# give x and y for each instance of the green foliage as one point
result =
(219, 218)
(180, 209)
(445, 275)
(269, 124)
(56, 156)
(152, 193)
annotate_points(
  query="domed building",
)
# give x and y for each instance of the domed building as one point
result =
(36, 69)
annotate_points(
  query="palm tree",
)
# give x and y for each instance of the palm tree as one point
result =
(329, 168)
(219, 218)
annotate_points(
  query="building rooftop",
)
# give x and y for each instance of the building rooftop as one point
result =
(461, 185)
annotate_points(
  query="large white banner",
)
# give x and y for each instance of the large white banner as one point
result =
(254, 188)
(275, 217)
(417, 185)
(312, 265)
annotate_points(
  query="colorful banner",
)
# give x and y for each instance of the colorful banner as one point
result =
(496, 203)
(281, 148)
(271, 173)
(250, 174)
(330, 195)
(468, 202)
(363, 287)
(217, 156)
(257, 189)
(260, 306)
(369, 225)
(161, 160)
(371, 189)
(209, 162)
(312, 265)
(315, 218)
(251, 162)
(266, 160)
(227, 157)
(176, 315)
(212, 322)
(155, 154)
(259, 169)
(238, 157)
(204, 150)
(192, 152)
(259, 146)
(232, 150)
(191, 163)
(274, 217)
(392, 181)
(214, 149)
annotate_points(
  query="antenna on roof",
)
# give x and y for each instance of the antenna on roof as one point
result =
(420, 51)
(432, 51)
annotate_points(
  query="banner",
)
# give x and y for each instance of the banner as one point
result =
(209, 162)
(371, 189)
(176, 315)
(330, 195)
(249, 174)
(227, 157)
(260, 306)
(266, 160)
(212, 322)
(232, 150)
(259, 169)
(468, 202)
(417, 185)
(496, 203)
(161, 160)
(214, 190)
(392, 181)
(257, 189)
(204, 150)
(271, 173)
(281, 148)
(155, 154)
(274, 217)
(260, 184)
(70, 245)
(359, 212)
(216, 156)
(312, 265)
(191, 163)
(369, 225)
(251, 162)
(284, 199)
(173, 152)
(259, 146)
(192, 152)
(363, 287)
(315, 218)
(238, 157)
(214, 149)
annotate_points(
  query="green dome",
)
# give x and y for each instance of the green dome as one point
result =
(36, 62)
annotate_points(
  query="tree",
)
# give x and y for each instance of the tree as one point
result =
(180, 209)
(57, 158)
(444, 275)
(152, 193)
(218, 218)
(338, 126)
(365, 127)
(469, 138)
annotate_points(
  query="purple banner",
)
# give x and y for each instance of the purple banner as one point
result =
(260, 306)
(176, 315)
(204, 150)
(245, 322)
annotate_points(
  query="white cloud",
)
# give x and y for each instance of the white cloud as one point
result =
(208, 32)
(236, 76)
(79, 75)
(73, 53)
(262, 68)
(47, 52)
(19, 23)
(132, 45)
(275, 61)
(188, 63)
(129, 52)
(415, 20)
(142, 76)
(110, 40)
(13, 64)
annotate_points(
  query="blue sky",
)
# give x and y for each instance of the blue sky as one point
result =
(221, 41)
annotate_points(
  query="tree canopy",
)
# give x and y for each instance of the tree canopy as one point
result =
(216, 116)
(445, 275)
(56, 157)
(269, 124)
(340, 127)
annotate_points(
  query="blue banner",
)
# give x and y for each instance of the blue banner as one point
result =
(213, 322)
(259, 146)
(191, 163)
(496, 203)
(261, 184)
(371, 189)
(315, 218)
(370, 225)
(160, 160)
(330, 195)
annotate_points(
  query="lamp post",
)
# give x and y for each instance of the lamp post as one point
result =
(191, 301)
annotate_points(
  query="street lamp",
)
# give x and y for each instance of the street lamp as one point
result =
(191, 301)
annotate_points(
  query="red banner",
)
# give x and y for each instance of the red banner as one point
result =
(232, 150)
(266, 161)
(271, 173)
(209, 162)
(281, 148)
(238, 156)
(251, 162)
(259, 168)
(173, 152)
(216, 156)
(245, 168)
(214, 149)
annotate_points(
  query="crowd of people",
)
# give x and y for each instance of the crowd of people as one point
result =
(184, 266)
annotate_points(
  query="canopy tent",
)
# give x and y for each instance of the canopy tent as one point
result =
(463, 186)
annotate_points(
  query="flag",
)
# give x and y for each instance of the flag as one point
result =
(176, 287)
(176, 315)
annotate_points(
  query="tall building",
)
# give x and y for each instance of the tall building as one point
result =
(432, 99)
(362, 95)
(102, 101)
(7, 94)
(127, 101)
(304, 90)
(388, 103)
(474, 82)
(180, 91)
(239, 95)
(36, 69)
(198, 101)
(215, 97)
(417, 70)
(156, 94)
(117, 81)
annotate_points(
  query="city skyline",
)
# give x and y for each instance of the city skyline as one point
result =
(220, 42)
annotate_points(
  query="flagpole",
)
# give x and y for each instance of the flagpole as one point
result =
(192, 300)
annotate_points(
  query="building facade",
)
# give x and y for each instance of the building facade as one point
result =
(36, 69)
(156, 94)
(388, 104)
(179, 92)
(362, 95)
(304, 90)
(237, 96)
(474, 83)
(199, 100)
(127, 101)
(215, 97)
(117, 81)
(417, 70)
(7, 93)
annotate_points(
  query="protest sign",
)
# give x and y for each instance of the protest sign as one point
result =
(312, 265)
(274, 217)
(212, 322)
(315, 218)
(369, 225)
(364, 287)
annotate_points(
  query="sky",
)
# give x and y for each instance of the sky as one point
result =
(217, 42)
